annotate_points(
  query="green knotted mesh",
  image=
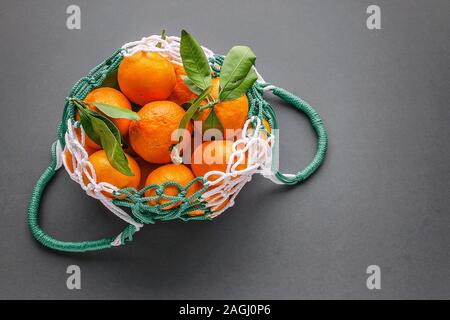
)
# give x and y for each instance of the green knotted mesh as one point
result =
(175, 207)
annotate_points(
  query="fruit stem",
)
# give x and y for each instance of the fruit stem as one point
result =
(209, 105)
(80, 105)
(163, 37)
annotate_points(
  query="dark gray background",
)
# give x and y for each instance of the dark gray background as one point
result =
(382, 196)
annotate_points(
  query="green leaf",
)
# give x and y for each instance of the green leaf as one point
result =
(242, 89)
(115, 112)
(212, 122)
(196, 116)
(194, 60)
(112, 147)
(111, 80)
(104, 132)
(191, 111)
(108, 122)
(191, 86)
(85, 119)
(236, 66)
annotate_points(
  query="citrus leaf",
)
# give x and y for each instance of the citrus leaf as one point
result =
(246, 83)
(194, 60)
(108, 122)
(212, 122)
(85, 119)
(191, 111)
(105, 133)
(86, 116)
(191, 86)
(112, 147)
(196, 116)
(115, 112)
(237, 64)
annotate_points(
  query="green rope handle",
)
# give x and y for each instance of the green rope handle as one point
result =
(319, 128)
(48, 241)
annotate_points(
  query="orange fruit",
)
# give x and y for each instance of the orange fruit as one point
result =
(69, 157)
(112, 97)
(105, 172)
(213, 156)
(232, 114)
(266, 125)
(145, 77)
(146, 169)
(178, 173)
(181, 93)
(88, 142)
(151, 136)
(127, 148)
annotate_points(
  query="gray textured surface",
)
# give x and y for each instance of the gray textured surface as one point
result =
(382, 196)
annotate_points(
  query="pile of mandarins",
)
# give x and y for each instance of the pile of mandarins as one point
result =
(154, 87)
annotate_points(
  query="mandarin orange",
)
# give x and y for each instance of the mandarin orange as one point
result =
(181, 93)
(112, 97)
(152, 136)
(105, 172)
(145, 77)
(232, 114)
(213, 156)
(178, 173)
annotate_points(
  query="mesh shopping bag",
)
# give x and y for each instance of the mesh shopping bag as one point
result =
(218, 190)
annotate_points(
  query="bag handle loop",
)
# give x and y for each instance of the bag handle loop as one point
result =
(49, 241)
(319, 128)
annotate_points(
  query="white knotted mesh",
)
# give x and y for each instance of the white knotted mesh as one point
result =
(254, 148)
(168, 47)
(82, 172)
